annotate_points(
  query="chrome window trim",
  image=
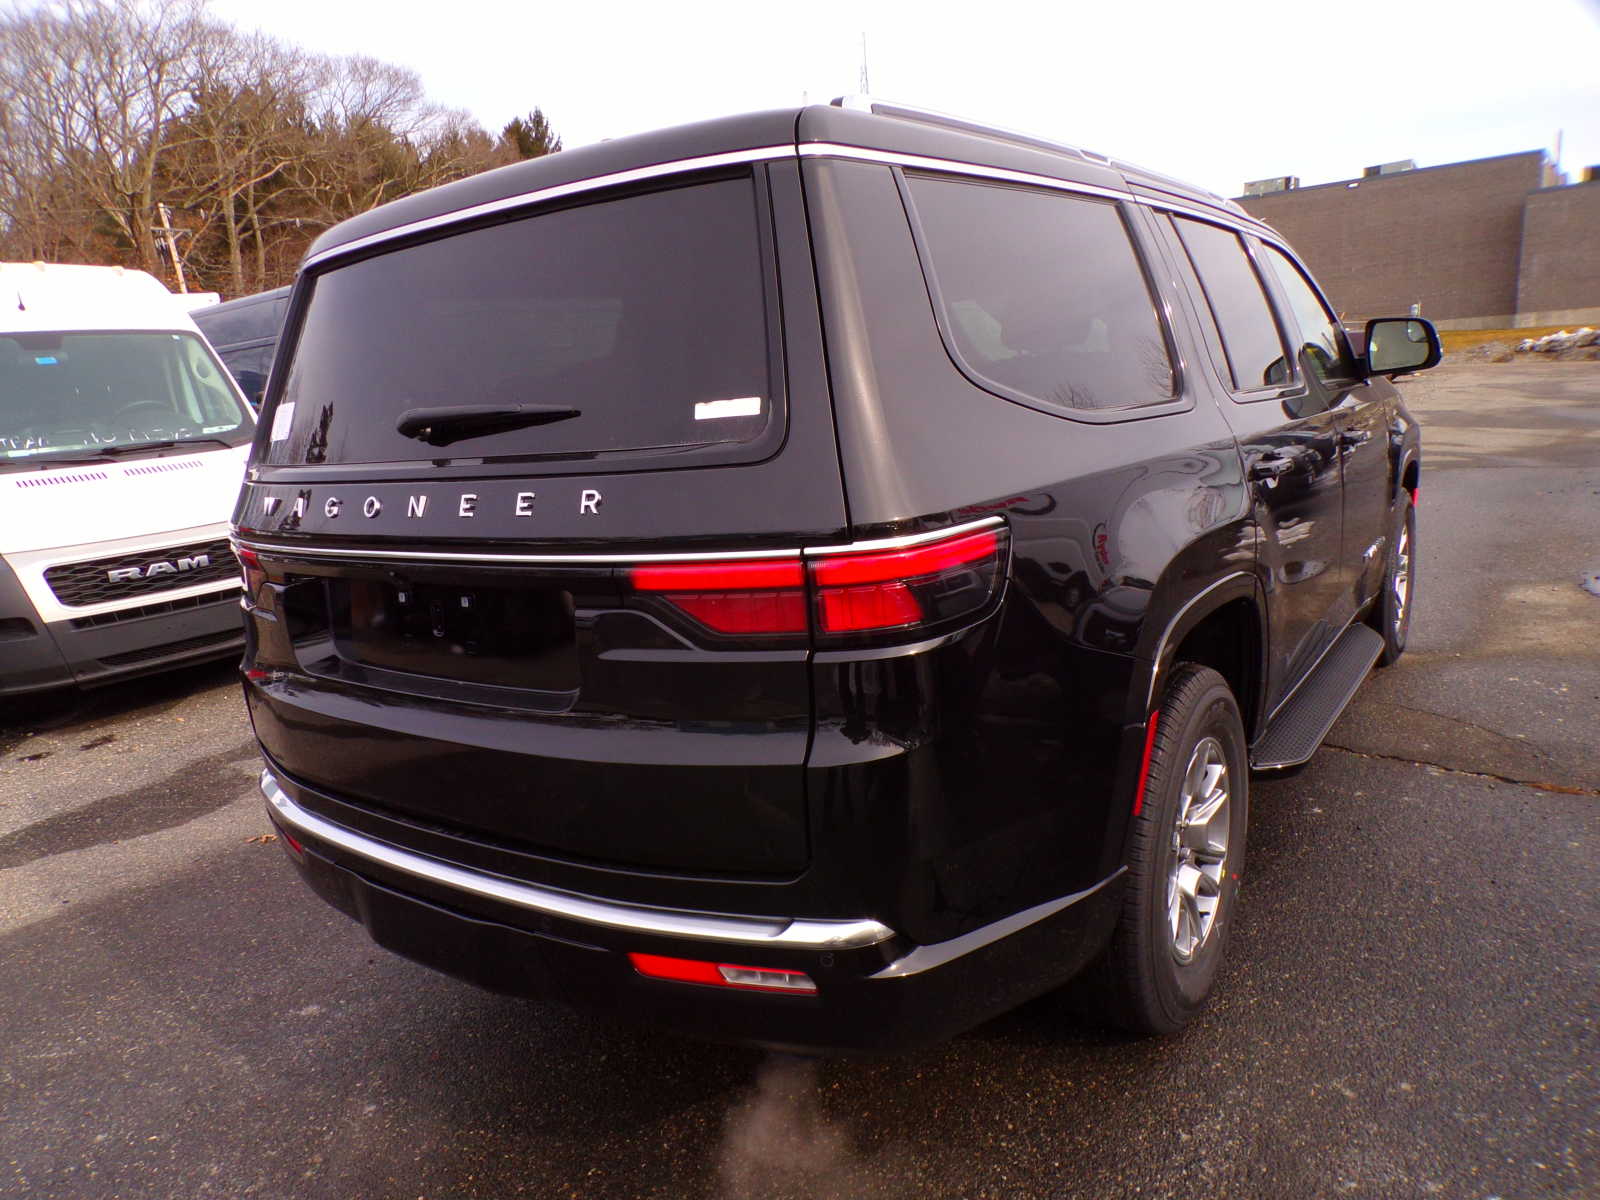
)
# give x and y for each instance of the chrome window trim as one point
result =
(1004, 175)
(919, 162)
(793, 933)
(555, 192)
(894, 543)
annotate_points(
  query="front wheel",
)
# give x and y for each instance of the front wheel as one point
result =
(1185, 858)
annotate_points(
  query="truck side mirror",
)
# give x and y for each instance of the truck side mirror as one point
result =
(1400, 344)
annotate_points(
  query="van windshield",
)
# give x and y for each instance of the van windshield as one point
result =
(85, 395)
(643, 319)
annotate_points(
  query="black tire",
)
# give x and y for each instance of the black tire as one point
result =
(1391, 611)
(1144, 981)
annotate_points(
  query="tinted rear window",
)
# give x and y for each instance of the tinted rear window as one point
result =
(646, 314)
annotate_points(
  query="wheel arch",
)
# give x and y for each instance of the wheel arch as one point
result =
(1222, 626)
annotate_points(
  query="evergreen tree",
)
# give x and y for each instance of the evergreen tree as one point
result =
(530, 136)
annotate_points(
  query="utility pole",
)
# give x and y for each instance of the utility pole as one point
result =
(866, 88)
(171, 239)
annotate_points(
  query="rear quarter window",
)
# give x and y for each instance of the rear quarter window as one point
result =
(1041, 295)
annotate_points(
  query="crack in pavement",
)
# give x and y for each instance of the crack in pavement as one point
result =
(1539, 785)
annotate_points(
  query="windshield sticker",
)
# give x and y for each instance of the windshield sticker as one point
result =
(282, 419)
(715, 410)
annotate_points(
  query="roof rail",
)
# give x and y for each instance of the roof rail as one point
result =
(928, 116)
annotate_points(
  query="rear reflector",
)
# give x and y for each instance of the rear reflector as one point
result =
(1144, 765)
(250, 568)
(691, 970)
(851, 592)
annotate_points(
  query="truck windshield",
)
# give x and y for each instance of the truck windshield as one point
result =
(78, 395)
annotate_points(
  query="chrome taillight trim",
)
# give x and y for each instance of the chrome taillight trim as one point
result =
(791, 933)
(454, 556)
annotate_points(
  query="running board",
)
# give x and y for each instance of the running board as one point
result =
(1300, 725)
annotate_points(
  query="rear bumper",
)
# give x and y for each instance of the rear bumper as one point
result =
(876, 990)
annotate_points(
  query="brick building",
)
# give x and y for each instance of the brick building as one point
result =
(1491, 243)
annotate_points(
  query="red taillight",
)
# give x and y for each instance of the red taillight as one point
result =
(715, 576)
(886, 605)
(854, 592)
(860, 592)
(763, 596)
(883, 566)
(746, 612)
(250, 568)
(715, 974)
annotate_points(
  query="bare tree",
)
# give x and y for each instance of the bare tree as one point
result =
(239, 133)
(92, 86)
(109, 108)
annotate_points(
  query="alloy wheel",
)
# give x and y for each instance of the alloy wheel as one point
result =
(1199, 850)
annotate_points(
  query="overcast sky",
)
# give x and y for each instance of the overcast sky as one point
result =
(1217, 92)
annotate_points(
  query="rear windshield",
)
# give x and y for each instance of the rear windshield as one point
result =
(71, 395)
(645, 315)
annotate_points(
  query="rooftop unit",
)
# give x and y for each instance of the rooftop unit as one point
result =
(1277, 183)
(1390, 168)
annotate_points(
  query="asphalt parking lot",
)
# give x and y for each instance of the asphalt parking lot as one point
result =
(1410, 1007)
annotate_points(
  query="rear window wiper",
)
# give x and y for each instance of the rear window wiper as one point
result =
(443, 425)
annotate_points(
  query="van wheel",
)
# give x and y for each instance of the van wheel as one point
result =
(1185, 858)
(1391, 612)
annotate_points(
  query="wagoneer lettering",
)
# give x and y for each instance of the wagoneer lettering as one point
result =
(977, 509)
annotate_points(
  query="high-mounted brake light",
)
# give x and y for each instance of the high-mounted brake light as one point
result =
(851, 592)
(715, 974)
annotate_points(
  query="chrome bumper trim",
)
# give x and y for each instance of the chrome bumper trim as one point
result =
(712, 927)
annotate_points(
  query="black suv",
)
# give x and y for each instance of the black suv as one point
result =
(817, 578)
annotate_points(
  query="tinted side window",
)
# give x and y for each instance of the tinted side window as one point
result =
(1042, 294)
(249, 369)
(1244, 318)
(1323, 342)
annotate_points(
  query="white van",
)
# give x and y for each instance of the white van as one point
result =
(122, 446)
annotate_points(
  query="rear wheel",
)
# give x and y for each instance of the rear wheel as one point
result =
(1391, 611)
(1185, 858)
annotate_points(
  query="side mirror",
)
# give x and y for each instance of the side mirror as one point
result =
(1400, 344)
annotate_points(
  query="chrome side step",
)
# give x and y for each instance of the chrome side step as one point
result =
(1301, 724)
